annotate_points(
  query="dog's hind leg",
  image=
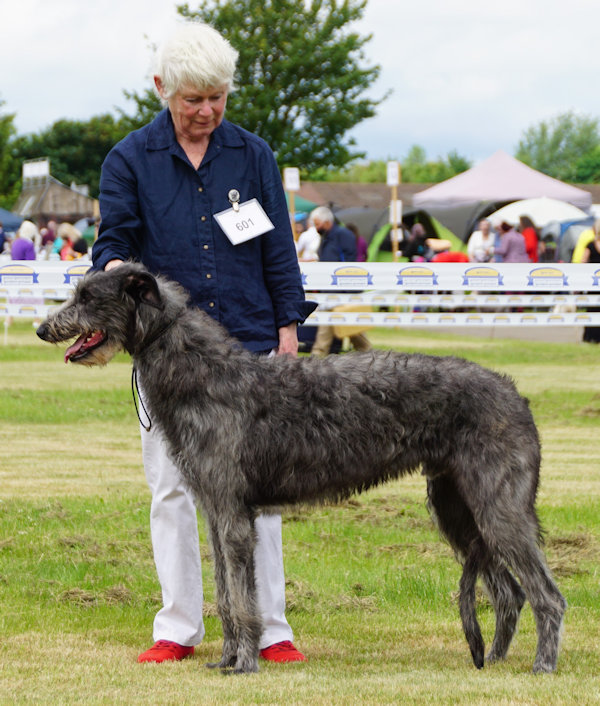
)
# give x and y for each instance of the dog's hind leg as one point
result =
(455, 522)
(510, 529)
(508, 599)
(466, 604)
(546, 601)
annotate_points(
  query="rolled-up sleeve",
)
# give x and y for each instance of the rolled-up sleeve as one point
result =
(121, 224)
(280, 261)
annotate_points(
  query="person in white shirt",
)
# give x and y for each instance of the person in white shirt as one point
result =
(307, 245)
(480, 247)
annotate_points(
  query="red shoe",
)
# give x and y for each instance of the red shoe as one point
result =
(282, 652)
(165, 650)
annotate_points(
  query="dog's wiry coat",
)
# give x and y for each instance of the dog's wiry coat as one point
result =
(251, 432)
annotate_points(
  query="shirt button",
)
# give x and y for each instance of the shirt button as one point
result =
(200, 189)
(209, 276)
(205, 247)
(203, 218)
(211, 305)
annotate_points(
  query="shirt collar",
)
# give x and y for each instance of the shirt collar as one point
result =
(161, 134)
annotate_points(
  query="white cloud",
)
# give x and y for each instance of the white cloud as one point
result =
(473, 76)
(466, 75)
(73, 59)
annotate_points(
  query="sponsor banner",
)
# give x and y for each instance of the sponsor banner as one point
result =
(451, 276)
(547, 278)
(481, 277)
(18, 274)
(351, 276)
(398, 277)
(51, 275)
(334, 276)
(26, 311)
(407, 319)
(495, 294)
(417, 277)
(452, 301)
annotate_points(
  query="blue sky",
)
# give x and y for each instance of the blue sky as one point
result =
(466, 75)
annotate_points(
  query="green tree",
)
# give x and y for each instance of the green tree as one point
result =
(555, 147)
(587, 168)
(371, 172)
(76, 149)
(10, 177)
(147, 107)
(301, 76)
(417, 169)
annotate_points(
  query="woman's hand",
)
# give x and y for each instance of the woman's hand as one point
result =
(111, 264)
(288, 340)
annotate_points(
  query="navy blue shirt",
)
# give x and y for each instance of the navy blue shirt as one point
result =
(338, 245)
(158, 209)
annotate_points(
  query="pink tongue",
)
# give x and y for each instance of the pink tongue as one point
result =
(71, 350)
(84, 342)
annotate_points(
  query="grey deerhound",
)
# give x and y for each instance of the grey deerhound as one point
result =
(251, 433)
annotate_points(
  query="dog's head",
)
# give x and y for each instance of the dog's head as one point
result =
(106, 314)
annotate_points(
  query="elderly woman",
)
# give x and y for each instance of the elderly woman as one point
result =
(163, 192)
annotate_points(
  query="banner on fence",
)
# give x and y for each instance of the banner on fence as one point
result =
(498, 292)
(451, 276)
(339, 276)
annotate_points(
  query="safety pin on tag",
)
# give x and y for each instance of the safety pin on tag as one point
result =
(234, 199)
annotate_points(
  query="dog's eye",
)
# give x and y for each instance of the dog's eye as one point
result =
(84, 296)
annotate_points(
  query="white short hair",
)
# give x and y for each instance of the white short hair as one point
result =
(195, 55)
(322, 213)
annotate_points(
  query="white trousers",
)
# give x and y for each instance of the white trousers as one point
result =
(174, 531)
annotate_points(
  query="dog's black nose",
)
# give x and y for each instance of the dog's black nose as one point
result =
(42, 331)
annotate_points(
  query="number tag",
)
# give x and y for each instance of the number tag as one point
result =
(248, 222)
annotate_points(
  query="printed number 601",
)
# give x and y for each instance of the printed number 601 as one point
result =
(245, 224)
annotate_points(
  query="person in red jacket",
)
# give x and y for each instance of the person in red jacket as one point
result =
(530, 233)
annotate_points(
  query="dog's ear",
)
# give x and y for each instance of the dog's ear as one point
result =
(143, 288)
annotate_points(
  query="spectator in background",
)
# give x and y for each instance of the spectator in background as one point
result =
(591, 334)
(48, 234)
(80, 248)
(22, 246)
(361, 243)
(512, 244)
(419, 247)
(585, 238)
(51, 226)
(530, 233)
(592, 249)
(67, 235)
(480, 247)
(2, 237)
(307, 245)
(338, 244)
(48, 237)
(30, 231)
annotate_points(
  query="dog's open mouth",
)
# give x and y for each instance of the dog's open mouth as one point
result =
(84, 344)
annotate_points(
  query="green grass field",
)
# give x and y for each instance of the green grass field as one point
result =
(371, 589)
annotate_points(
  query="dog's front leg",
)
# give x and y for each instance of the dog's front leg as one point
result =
(238, 540)
(229, 654)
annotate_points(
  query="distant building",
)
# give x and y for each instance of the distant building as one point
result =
(44, 198)
(341, 195)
